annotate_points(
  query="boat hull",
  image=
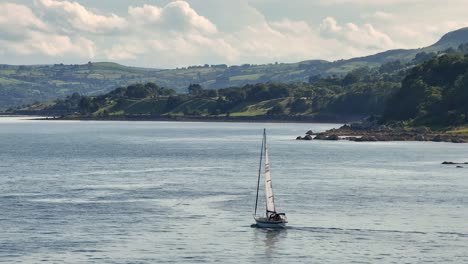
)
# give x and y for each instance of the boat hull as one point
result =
(264, 223)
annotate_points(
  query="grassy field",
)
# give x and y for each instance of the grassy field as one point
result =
(462, 131)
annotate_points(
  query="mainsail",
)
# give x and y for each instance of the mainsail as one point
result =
(270, 203)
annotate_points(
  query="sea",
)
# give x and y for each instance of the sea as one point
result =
(184, 192)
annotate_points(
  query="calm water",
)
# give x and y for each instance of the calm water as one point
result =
(156, 192)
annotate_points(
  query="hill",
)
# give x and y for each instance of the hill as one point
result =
(434, 94)
(21, 85)
(431, 105)
(361, 92)
(451, 40)
(25, 84)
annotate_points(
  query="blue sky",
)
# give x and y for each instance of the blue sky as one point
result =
(168, 34)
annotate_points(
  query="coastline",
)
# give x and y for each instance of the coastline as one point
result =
(388, 134)
(345, 132)
(234, 119)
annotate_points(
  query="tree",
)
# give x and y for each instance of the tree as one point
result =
(235, 96)
(276, 110)
(350, 78)
(299, 105)
(422, 57)
(137, 91)
(174, 101)
(434, 93)
(390, 67)
(87, 105)
(194, 89)
(209, 93)
(278, 91)
(313, 79)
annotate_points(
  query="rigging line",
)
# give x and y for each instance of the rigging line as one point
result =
(259, 172)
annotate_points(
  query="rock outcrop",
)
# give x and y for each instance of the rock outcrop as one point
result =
(372, 133)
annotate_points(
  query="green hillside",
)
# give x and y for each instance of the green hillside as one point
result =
(434, 94)
(20, 85)
(360, 92)
(25, 84)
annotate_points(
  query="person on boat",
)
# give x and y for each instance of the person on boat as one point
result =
(275, 217)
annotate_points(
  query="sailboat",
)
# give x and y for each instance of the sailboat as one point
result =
(272, 219)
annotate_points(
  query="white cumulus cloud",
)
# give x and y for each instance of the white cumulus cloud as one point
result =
(175, 16)
(24, 33)
(181, 33)
(16, 16)
(79, 17)
(364, 37)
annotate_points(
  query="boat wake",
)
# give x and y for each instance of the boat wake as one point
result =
(349, 230)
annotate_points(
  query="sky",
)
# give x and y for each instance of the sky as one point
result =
(170, 34)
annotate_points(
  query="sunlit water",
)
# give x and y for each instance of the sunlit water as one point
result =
(161, 192)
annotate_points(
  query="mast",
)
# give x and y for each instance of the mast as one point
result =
(259, 171)
(270, 203)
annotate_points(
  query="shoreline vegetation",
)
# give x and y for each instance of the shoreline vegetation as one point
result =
(372, 130)
(347, 132)
(262, 119)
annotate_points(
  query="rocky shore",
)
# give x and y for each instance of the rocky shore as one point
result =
(361, 134)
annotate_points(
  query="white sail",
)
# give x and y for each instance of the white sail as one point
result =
(272, 219)
(270, 203)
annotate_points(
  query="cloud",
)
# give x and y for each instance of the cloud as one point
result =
(19, 16)
(180, 15)
(128, 50)
(49, 44)
(174, 34)
(364, 37)
(229, 16)
(380, 15)
(79, 17)
(329, 27)
(370, 2)
(24, 33)
(175, 16)
(146, 13)
(54, 45)
(189, 32)
(177, 35)
(291, 26)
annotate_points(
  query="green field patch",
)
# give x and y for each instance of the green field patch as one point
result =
(117, 113)
(200, 105)
(7, 71)
(9, 81)
(347, 67)
(57, 82)
(296, 72)
(147, 107)
(249, 77)
(64, 91)
(256, 109)
(96, 76)
(461, 131)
